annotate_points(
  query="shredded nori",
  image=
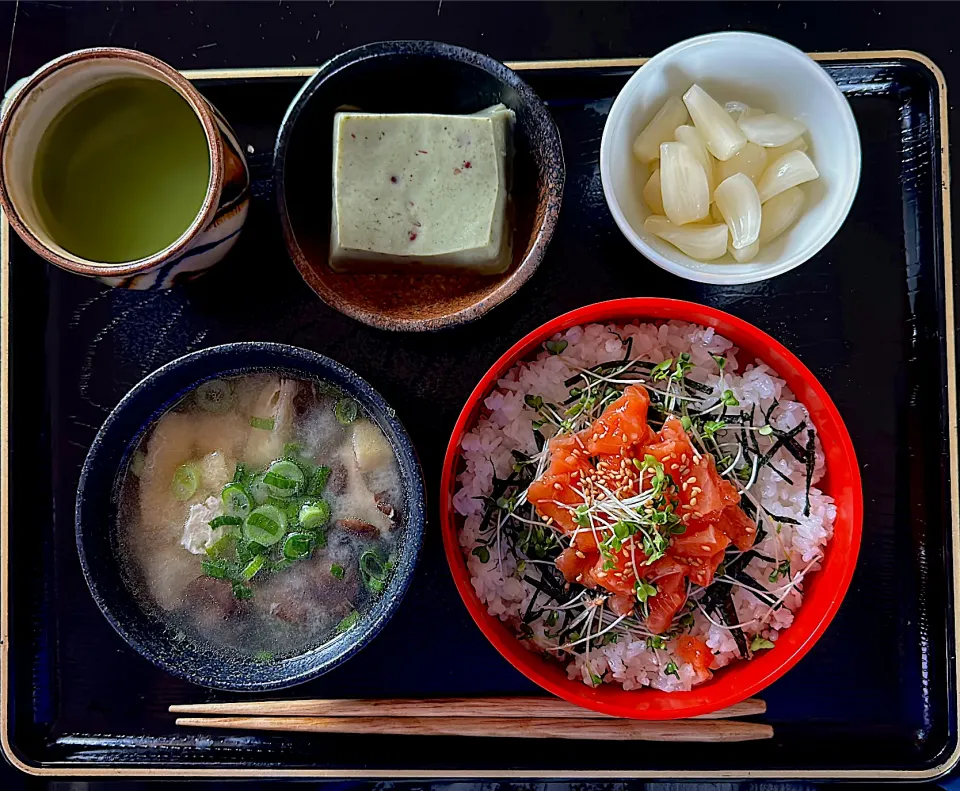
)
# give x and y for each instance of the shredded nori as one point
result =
(768, 456)
(787, 520)
(500, 486)
(795, 448)
(769, 412)
(729, 615)
(811, 460)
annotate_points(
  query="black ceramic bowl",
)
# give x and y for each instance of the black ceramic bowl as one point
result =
(96, 518)
(413, 77)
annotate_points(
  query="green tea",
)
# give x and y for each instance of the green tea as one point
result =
(122, 171)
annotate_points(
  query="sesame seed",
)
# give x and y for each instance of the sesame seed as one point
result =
(705, 547)
(557, 486)
(696, 490)
(580, 555)
(693, 501)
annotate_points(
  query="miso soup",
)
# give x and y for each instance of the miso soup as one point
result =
(260, 514)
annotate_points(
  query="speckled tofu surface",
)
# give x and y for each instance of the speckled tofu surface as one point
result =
(420, 190)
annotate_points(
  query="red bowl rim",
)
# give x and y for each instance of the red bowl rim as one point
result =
(656, 705)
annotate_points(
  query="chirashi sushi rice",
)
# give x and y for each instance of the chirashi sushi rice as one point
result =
(663, 567)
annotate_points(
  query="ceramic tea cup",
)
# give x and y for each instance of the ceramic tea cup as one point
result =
(147, 190)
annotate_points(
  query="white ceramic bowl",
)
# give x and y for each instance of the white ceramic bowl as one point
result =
(763, 72)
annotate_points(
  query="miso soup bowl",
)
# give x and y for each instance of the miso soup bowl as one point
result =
(144, 627)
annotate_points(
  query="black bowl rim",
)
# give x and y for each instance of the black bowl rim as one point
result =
(292, 358)
(440, 50)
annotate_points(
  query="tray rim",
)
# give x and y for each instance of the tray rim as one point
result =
(68, 769)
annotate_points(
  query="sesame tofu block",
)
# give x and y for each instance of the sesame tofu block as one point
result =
(420, 191)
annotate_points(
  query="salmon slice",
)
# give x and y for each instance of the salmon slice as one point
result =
(616, 572)
(701, 551)
(671, 594)
(558, 485)
(622, 425)
(738, 527)
(695, 652)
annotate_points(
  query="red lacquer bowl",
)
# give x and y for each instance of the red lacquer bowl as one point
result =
(823, 592)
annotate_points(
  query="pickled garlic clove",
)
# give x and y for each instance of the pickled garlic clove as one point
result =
(651, 193)
(788, 171)
(690, 137)
(780, 212)
(721, 133)
(702, 242)
(745, 254)
(751, 160)
(736, 110)
(800, 144)
(739, 203)
(646, 146)
(770, 130)
(683, 184)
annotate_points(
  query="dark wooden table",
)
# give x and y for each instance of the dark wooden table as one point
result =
(192, 35)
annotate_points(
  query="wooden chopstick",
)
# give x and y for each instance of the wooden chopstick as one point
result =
(493, 707)
(531, 728)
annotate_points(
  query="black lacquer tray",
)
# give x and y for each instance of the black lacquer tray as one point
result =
(871, 315)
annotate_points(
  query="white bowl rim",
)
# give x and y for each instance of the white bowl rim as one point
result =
(714, 273)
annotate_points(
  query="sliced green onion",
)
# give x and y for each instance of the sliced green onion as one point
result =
(263, 423)
(218, 568)
(372, 571)
(251, 569)
(221, 521)
(338, 571)
(221, 545)
(241, 591)
(265, 526)
(319, 481)
(349, 622)
(760, 644)
(283, 478)
(320, 538)
(345, 411)
(248, 550)
(297, 546)
(292, 450)
(240, 473)
(185, 482)
(215, 396)
(259, 490)
(288, 505)
(314, 514)
(236, 501)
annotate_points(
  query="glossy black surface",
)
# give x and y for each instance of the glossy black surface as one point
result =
(98, 505)
(866, 315)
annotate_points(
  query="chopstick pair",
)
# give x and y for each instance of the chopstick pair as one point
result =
(505, 717)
